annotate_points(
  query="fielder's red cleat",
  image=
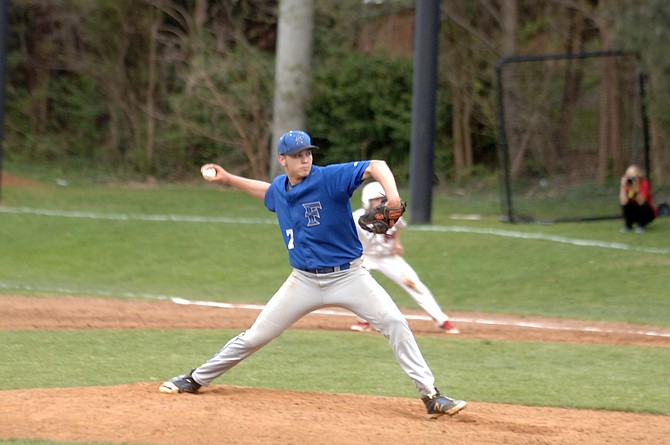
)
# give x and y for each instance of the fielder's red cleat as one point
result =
(361, 326)
(449, 328)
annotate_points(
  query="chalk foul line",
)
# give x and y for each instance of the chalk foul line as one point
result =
(269, 221)
(484, 321)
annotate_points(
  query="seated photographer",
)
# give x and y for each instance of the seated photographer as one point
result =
(636, 200)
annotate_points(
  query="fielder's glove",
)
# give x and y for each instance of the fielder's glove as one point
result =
(378, 220)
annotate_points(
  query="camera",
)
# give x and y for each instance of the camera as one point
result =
(630, 180)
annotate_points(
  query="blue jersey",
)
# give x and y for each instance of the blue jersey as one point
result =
(315, 215)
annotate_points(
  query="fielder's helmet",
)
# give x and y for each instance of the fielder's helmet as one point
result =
(371, 191)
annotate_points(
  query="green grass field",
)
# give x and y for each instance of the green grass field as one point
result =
(188, 241)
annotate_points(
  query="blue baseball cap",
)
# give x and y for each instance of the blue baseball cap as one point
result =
(293, 142)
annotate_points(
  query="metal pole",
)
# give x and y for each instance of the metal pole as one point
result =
(645, 125)
(503, 149)
(424, 91)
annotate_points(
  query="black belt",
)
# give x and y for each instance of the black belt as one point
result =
(331, 269)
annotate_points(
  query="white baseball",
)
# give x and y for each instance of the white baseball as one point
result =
(209, 173)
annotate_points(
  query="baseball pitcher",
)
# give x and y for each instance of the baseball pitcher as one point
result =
(312, 205)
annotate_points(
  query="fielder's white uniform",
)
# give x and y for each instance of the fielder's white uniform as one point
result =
(378, 255)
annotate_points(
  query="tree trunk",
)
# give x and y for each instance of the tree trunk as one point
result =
(660, 138)
(556, 159)
(610, 151)
(294, 55)
(509, 16)
(462, 131)
(457, 129)
(39, 78)
(150, 95)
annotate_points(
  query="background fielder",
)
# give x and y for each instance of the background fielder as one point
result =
(383, 252)
(313, 208)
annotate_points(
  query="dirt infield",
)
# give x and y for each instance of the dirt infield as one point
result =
(224, 414)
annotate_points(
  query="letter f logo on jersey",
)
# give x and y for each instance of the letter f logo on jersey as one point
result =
(312, 213)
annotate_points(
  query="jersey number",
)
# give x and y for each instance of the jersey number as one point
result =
(289, 233)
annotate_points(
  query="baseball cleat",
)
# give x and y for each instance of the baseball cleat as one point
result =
(449, 328)
(180, 384)
(361, 326)
(439, 405)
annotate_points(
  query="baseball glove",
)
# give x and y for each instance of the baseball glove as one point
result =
(378, 219)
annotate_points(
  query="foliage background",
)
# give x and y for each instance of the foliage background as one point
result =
(149, 89)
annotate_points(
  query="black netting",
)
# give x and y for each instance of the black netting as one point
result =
(569, 126)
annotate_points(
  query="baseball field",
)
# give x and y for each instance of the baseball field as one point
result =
(108, 290)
